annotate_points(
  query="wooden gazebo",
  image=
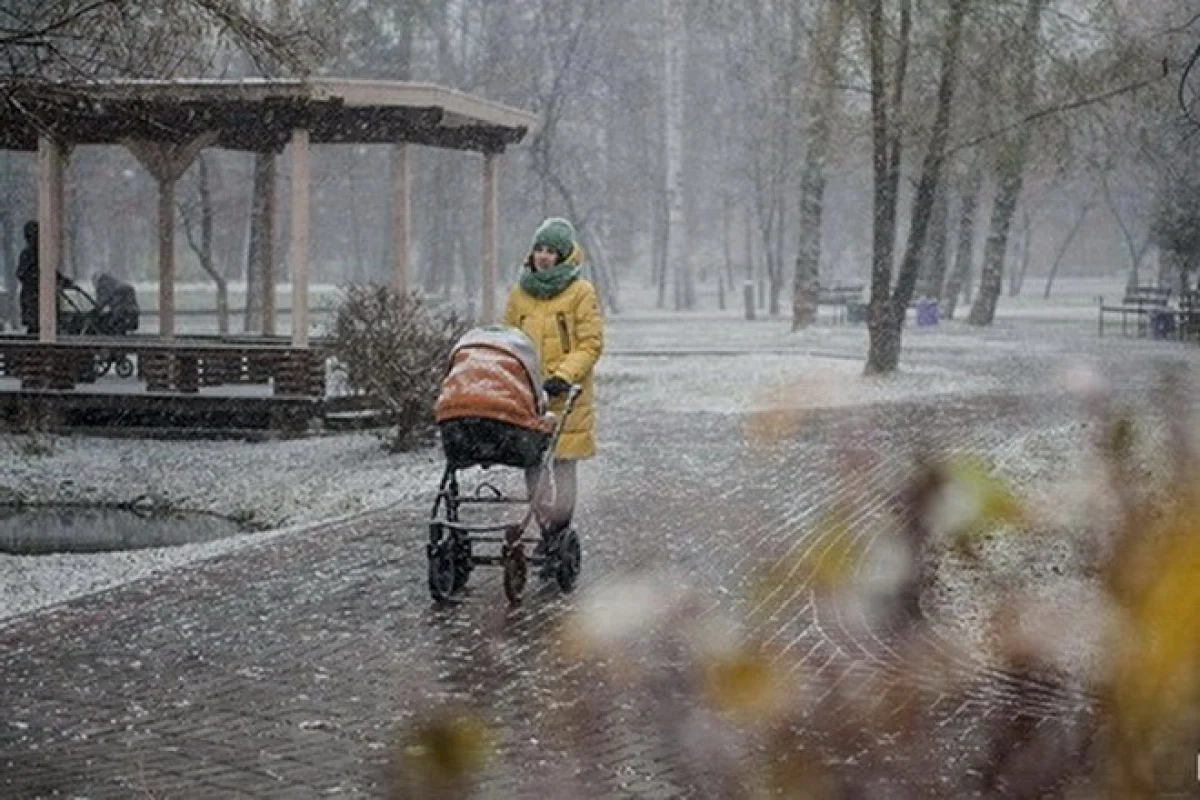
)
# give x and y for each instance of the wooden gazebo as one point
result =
(165, 124)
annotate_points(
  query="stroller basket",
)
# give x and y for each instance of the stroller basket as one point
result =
(491, 410)
(468, 441)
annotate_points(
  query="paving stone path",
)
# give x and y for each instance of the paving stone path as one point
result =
(286, 670)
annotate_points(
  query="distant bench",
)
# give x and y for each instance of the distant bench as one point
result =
(847, 298)
(1139, 303)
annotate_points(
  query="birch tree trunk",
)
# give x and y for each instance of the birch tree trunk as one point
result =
(823, 72)
(964, 253)
(674, 34)
(1011, 174)
(1025, 249)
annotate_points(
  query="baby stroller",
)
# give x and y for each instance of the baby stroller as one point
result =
(492, 412)
(79, 314)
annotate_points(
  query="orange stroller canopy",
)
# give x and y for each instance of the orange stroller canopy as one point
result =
(494, 374)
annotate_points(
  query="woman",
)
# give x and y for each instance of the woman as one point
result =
(559, 311)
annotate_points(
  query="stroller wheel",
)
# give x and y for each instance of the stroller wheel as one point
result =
(516, 571)
(570, 560)
(124, 367)
(441, 573)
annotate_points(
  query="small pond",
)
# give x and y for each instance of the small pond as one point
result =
(65, 529)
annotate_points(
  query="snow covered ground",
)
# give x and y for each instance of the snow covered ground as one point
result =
(733, 367)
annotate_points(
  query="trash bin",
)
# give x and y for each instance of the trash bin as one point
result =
(1162, 324)
(927, 312)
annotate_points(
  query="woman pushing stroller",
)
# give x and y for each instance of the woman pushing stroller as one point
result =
(559, 311)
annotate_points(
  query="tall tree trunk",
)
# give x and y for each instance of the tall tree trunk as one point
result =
(362, 274)
(674, 35)
(1011, 174)
(1062, 248)
(933, 266)
(74, 230)
(885, 339)
(10, 313)
(896, 135)
(1026, 255)
(821, 94)
(964, 253)
(748, 286)
(1135, 250)
(883, 198)
(661, 264)
(261, 229)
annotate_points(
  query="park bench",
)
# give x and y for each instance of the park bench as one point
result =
(1189, 315)
(847, 299)
(1140, 303)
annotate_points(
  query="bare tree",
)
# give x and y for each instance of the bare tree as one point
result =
(887, 313)
(1061, 252)
(1010, 170)
(674, 58)
(822, 84)
(959, 283)
(201, 242)
(86, 39)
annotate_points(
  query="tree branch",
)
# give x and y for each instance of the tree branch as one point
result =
(1054, 110)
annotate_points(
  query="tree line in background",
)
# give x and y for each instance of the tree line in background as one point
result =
(945, 149)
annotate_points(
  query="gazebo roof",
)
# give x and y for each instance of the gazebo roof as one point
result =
(256, 114)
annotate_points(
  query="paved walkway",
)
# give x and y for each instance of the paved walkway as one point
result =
(287, 670)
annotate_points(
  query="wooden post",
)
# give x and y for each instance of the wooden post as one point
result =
(491, 169)
(268, 248)
(400, 196)
(166, 258)
(167, 163)
(299, 249)
(50, 178)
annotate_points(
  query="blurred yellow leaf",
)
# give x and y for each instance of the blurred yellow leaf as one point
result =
(829, 559)
(1158, 670)
(1120, 437)
(744, 686)
(444, 751)
(778, 411)
(971, 501)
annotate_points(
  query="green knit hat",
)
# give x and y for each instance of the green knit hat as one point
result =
(557, 233)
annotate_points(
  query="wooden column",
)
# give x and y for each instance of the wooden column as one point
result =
(491, 171)
(167, 163)
(50, 179)
(299, 248)
(166, 258)
(268, 247)
(400, 208)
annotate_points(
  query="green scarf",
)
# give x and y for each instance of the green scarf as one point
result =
(549, 282)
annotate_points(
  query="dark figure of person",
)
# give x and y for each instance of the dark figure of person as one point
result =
(27, 277)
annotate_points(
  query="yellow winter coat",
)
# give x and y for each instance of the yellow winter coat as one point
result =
(568, 331)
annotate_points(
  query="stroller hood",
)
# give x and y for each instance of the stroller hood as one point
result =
(494, 373)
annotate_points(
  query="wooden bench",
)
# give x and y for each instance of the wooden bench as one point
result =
(847, 298)
(1139, 302)
(1187, 324)
(177, 366)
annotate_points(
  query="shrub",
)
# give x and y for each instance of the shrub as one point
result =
(394, 347)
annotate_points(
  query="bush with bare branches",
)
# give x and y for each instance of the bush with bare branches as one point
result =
(394, 348)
